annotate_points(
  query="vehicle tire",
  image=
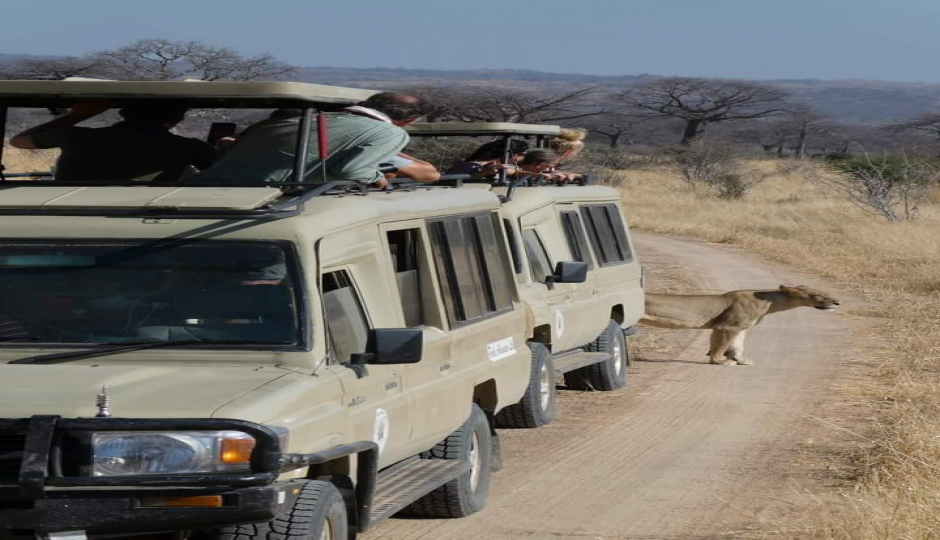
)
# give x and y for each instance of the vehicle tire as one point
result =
(603, 376)
(537, 406)
(318, 514)
(466, 494)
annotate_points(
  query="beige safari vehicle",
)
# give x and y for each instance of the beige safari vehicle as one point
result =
(577, 272)
(247, 361)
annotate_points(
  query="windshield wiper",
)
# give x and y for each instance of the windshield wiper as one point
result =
(58, 358)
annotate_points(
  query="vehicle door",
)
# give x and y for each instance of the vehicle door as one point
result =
(588, 312)
(553, 304)
(432, 383)
(354, 292)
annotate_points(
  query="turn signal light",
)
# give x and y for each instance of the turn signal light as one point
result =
(202, 501)
(237, 450)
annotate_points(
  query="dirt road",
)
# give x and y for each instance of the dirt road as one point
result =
(688, 450)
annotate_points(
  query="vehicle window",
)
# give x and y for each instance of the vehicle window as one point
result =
(577, 241)
(114, 292)
(513, 247)
(403, 246)
(540, 265)
(607, 233)
(472, 267)
(346, 321)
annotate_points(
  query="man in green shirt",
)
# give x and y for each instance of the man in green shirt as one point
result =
(139, 148)
(360, 138)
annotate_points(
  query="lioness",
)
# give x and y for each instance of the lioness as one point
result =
(729, 315)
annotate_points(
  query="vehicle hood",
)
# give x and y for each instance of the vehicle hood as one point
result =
(136, 392)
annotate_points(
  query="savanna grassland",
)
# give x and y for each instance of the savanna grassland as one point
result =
(893, 490)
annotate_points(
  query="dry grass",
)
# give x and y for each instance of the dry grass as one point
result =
(18, 161)
(896, 266)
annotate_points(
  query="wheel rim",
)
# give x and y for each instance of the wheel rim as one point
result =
(618, 357)
(475, 461)
(545, 387)
(327, 532)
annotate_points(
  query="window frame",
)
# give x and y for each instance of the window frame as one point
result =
(442, 234)
(609, 244)
(576, 236)
(540, 245)
(332, 356)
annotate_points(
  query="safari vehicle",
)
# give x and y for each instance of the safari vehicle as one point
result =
(305, 357)
(576, 269)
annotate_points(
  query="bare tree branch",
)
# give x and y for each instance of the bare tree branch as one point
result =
(700, 102)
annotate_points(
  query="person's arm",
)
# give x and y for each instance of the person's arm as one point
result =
(361, 163)
(80, 112)
(419, 170)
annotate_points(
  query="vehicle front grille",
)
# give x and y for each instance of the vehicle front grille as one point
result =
(11, 454)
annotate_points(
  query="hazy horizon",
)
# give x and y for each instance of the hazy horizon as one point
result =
(827, 40)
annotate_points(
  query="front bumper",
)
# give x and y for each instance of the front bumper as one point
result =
(108, 514)
(42, 491)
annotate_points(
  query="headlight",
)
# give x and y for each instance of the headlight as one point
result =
(123, 453)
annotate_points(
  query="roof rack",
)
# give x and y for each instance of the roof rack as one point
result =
(480, 129)
(288, 202)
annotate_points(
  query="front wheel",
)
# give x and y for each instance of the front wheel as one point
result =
(610, 374)
(467, 493)
(537, 406)
(318, 514)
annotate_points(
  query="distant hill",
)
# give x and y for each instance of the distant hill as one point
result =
(850, 101)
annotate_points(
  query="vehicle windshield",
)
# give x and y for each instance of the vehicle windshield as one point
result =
(116, 292)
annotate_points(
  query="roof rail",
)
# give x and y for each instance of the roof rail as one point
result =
(289, 204)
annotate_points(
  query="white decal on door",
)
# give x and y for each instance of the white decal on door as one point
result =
(559, 323)
(501, 349)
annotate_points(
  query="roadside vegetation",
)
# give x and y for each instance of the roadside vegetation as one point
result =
(796, 215)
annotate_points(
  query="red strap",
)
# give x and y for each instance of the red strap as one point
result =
(323, 141)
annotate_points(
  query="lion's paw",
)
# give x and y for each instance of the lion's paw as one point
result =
(744, 362)
(725, 362)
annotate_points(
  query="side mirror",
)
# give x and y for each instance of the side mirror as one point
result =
(569, 272)
(391, 346)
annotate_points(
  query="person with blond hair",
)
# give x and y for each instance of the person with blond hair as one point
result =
(569, 142)
(566, 145)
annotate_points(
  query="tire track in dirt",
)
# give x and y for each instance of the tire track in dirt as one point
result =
(687, 450)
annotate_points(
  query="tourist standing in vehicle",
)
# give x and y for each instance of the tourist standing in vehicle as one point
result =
(487, 160)
(361, 137)
(567, 145)
(139, 148)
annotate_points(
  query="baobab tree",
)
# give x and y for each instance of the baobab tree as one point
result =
(700, 102)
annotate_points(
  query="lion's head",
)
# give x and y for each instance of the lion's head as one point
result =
(811, 297)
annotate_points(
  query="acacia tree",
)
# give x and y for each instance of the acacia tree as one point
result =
(618, 128)
(155, 60)
(493, 104)
(701, 102)
(924, 123)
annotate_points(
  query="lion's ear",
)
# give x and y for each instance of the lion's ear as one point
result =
(788, 290)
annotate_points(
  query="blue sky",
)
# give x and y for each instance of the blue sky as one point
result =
(762, 39)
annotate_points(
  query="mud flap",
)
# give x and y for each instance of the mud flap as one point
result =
(497, 459)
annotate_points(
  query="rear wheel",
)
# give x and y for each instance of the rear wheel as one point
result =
(318, 514)
(610, 374)
(466, 494)
(537, 406)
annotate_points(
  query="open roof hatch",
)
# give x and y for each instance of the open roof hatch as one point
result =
(187, 200)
